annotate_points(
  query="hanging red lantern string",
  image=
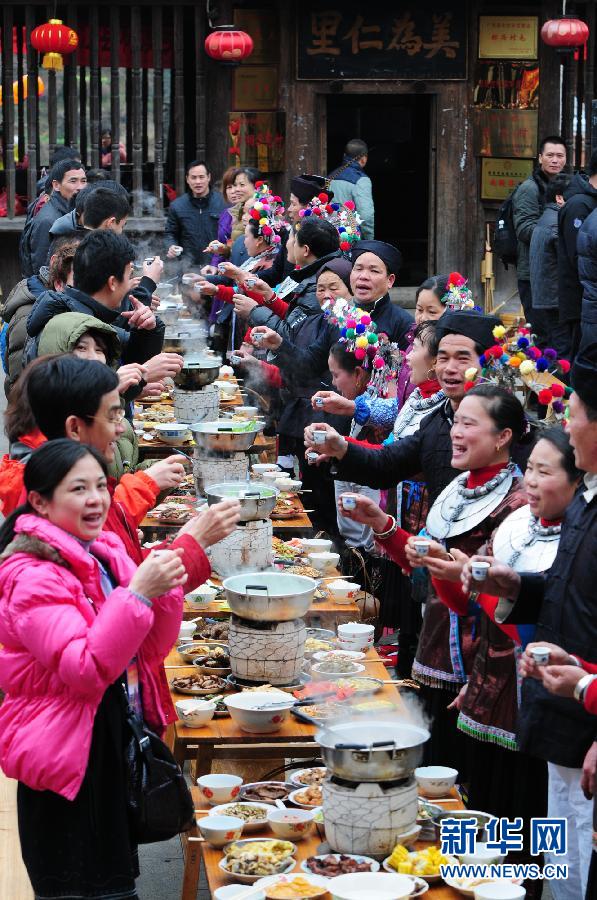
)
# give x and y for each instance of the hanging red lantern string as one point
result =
(565, 34)
(227, 44)
(54, 39)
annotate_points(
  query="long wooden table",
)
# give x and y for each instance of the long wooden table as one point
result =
(215, 739)
(310, 846)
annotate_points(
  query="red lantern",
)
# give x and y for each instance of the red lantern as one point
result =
(565, 34)
(53, 39)
(228, 45)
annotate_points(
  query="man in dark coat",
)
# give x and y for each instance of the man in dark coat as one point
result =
(527, 205)
(543, 265)
(586, 245)
(68, 178)
(102, 272)
(375, 266)
(581, 200)
(193, 218)
(562, 603)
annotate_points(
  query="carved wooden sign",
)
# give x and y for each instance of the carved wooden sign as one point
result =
(343, 40)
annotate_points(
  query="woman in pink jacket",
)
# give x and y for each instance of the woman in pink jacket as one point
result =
(77, 622)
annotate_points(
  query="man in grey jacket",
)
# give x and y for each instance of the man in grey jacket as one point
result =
(527, 206)
(349, 182)
(543, 266)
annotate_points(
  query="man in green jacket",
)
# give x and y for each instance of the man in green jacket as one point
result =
(527, 206)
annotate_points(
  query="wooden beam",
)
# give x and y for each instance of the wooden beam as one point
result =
(136, 117)
(94, 88)
(115, 89)
(178, 105)
(158, 106)
(200, 87)
(70, 77)
(8, 109)
(32, 117)
(549, 77)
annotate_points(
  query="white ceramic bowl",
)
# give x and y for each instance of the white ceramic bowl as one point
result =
(436, 781)
(370, 886)
(354, 655)
(186, 631)
(482, 856)
(257, 825)
(357, 669)
(499, 890)
(341, 590)
(251, 879)
(244, 710)
(316, 545)
(171, 432)
(271, 475)
(201, 595)
(195, 712)
(229, 891)
(325, 561)
(227, 388)
(218, 789)
(350, 630)
(291, 824)
(248, 411)
(220, 830)
(260, 468)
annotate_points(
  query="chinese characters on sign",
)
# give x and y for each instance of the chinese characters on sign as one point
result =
(255, 87)
(257, 139)
(502, 132)
(458, 837)
(400, 42)
(508, 37)
(499, 177)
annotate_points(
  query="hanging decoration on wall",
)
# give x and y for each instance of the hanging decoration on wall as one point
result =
(565, 33)
(54, 39)
(228, 44)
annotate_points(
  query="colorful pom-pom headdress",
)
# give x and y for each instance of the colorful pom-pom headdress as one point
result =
(457, 295)
(343, 216)
(359, 334)
(267, 213)
(515, 362)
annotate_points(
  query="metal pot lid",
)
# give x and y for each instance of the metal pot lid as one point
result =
(377, 735)
(200, 363)
(277, 584)
(225, 426)
(242, 490)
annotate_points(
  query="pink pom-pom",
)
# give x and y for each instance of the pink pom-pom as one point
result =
(365, 320)
(302, 212)
(276, 239)
(349, 204)
(360, 353)
(378, 362)
(350, 323)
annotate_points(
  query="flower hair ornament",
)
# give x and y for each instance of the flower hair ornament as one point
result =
(343, 216)
(372, 351)
(267, 212)
(521, 367)
(458, 295)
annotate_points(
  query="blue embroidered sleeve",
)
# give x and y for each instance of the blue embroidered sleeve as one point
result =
(383, 412)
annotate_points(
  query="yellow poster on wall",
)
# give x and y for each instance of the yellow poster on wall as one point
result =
(508, 37)
(499, 177)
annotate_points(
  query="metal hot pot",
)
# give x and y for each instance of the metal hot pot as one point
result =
(372, 751)
(269, 596)
(197, 373)
(256, 500)
(225, 436)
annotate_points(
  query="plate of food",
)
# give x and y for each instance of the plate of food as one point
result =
(316, 645)
(422, 863)
(211, 631)
(253, 814)
(308, 797)
(315, 713)
(360, 684)
(293, 887)
(330, 865)
(192, 650)
(240, 685)
(221, 708)
(285, 509)
(198, 685)
(214, 662)
(305, 777)
(249, 860)
(266, 791)
(467, 886)
(285, 550)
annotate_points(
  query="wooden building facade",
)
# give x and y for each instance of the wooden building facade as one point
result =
(450, 96)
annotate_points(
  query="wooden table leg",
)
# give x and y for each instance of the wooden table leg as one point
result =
(204, 760)
(192, 864)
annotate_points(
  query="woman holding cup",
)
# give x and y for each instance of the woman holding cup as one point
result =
(470, 655)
